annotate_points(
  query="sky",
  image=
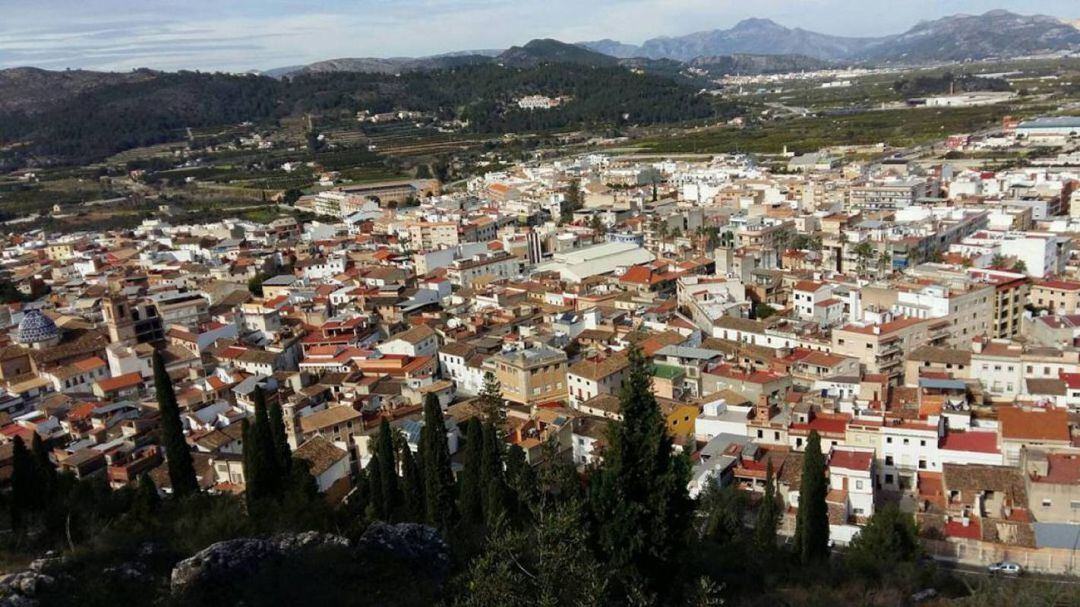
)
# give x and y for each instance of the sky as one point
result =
(241, 35)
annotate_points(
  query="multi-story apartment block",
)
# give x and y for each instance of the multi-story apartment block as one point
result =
(530, 375)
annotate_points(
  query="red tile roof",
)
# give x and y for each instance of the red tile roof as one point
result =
(957, 529)
(975, 442)
(1034, 424)
(127, 380)
(851, 460)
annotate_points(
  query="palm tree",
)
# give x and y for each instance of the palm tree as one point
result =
(864, 251)
(884, 261)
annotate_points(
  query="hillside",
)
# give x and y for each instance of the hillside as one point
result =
(758, 64)
(531, 54)
(114, 114)
(32, 90)
(547, 50)
(375, 65)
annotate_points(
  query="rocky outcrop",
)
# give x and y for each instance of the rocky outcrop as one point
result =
(408, 542)
(20, 589)
(235, 559)
(232, 561)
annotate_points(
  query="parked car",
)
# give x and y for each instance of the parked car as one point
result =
(1005, 568)
(923, 595)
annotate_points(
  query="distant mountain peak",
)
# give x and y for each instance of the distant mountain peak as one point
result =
(549, 50)
(996, 33)
(757, 23)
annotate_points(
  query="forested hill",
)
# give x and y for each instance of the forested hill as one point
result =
(99, 118)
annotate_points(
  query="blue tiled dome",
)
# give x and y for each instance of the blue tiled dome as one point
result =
(36, 327)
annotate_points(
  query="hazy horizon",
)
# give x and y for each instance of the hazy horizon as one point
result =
(242, 35)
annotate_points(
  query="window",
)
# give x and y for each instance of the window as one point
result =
(922, 443)
(888, 479)
(922, 464)
(798, 442)
(761, 434)
(888, 460)
(905, 441)
(888, 439)
(1047, 503)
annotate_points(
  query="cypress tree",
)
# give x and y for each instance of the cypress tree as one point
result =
(46, 471)
(412, 485)
(768, 515)
(254, 489)
(262, 473)
(640, 502)
(375, 500)
(471, 495)
(24, 483)
(520, 479)
(387, 470)
(492, 476)
(812, 521)
(177, 454)
(277, 431)
(435, 463)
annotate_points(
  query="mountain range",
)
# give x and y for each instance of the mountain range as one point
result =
(749, 45)
(996, 33)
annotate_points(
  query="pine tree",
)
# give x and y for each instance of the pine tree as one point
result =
(177, 454)
(471, 494)
(768, 515)
(888, 539)
(277, 431)
(812, 521)
(490, 401)
(24, 484)
(435, 463)
(639, 497)
(387, 470)
(146, 499)
(412, 485)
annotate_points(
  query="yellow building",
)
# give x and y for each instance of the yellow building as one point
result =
(679, 418)
(531, 375)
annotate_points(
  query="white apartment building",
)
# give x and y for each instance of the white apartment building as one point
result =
(592, 377)
(970, 310)
(907, 448)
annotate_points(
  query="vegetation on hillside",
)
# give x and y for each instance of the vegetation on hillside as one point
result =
(94, 123)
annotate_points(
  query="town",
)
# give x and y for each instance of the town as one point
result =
(918, 320)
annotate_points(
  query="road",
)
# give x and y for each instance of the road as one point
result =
(980, 571)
